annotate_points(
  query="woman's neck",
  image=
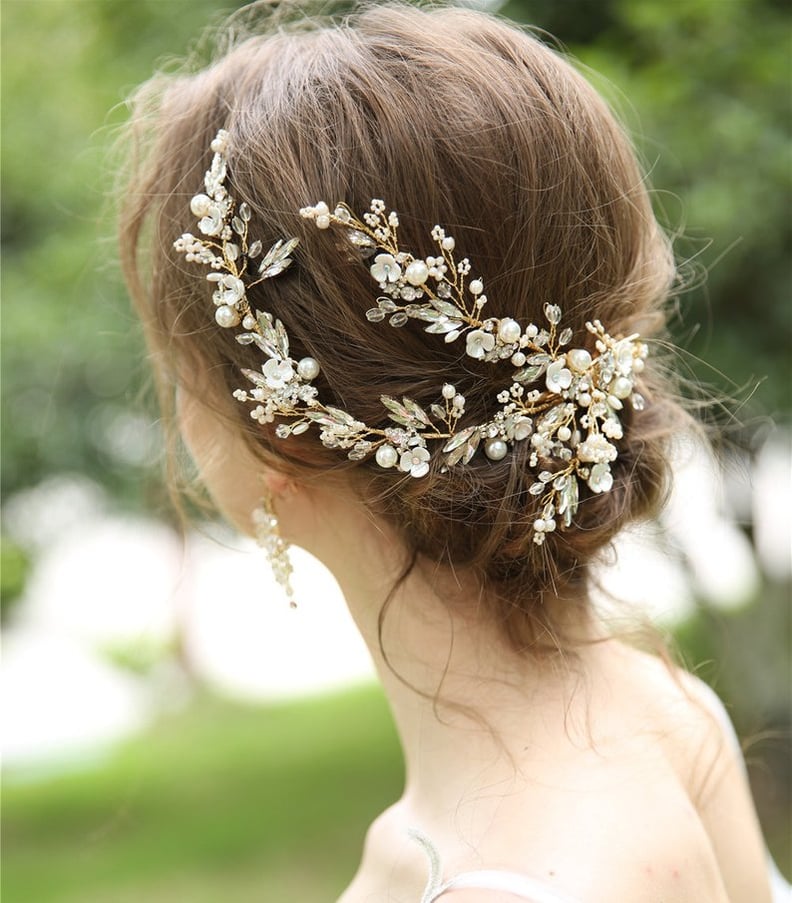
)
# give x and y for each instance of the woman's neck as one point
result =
(467, 708)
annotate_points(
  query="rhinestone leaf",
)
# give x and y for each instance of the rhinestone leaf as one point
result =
(461, 437)
(394, 406)
(444, 307)
(277, 258)
(267, 347)
(431, 316)
(442, 328)
(529, 374)
(255, 377)
(470, 446)
(416, 411)
(360, 239)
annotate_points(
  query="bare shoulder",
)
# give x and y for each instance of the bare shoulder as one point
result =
(698, 738)
(660, 810)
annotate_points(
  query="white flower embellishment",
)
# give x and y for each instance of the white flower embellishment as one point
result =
(385, 268)
(479, 343)
(601, 479)
(415, 462)
(558, 377)
(277, 373)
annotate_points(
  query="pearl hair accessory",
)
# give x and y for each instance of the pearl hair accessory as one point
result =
(565, 401)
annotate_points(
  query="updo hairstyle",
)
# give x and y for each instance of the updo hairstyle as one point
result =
(452, 117)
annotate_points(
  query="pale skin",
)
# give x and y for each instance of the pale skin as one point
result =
(608, 783)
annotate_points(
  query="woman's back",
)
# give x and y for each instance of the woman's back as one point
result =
(658, 809)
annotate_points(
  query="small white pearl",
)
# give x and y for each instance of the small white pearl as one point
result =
(227, 316)
(308, 368)
(565, 434)
(199, 205)
(449, 391)
(459, 401)
(579, 359)
(323, 222)
(386, 456)
(496, 449)
(638, 365)
(550, 525)
(249, 322)
(584, 399)
(476, 287)
(321, 209)
(539, 525)
(518, 358)
(509, 331)
(622, 387)
(448, 243)
(417, 272)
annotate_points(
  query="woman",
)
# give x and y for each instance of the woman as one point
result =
(443, 173)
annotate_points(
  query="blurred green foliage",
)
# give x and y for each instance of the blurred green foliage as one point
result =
(222, 802)
(14, 569)
(73, 360)
(708, 78)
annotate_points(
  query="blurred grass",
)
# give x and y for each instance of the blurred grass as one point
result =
(220, 802)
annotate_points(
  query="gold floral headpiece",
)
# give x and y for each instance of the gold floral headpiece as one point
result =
(565, 401)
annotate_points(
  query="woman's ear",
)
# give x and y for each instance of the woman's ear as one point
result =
(278, 484)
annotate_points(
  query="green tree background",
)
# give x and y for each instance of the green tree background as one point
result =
(704, 86)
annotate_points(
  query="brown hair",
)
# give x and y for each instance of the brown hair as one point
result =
(453, 117)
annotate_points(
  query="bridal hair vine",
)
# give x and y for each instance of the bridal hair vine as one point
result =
(565, 401)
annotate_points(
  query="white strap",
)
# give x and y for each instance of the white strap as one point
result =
(486, 879)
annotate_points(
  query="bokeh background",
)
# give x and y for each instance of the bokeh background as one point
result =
(171, 730)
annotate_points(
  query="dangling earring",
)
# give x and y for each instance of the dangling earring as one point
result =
(268, 537)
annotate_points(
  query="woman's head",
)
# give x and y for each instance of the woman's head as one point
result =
(452, 117)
